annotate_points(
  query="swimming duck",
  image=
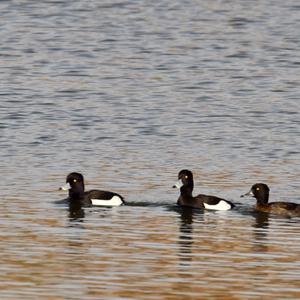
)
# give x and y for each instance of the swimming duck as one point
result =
(260, 191)
(186, 184)
(75, 186)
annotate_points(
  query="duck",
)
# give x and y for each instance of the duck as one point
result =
(260, 191)
(75, 186)
(186, 185)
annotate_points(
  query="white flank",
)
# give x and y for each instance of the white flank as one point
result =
(178, 184)
(114, 201)
(222, 205)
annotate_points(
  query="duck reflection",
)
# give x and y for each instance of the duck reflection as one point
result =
(261, 220)
(261, 226)
(76, 211)
(186, 233)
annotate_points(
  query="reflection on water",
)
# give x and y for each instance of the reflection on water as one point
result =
(128, 93)
(261, 220)
(261, 227)
(186, 234)
(76, 210)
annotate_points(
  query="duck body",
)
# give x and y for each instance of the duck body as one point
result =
(205, 202)
(186, 198)
(260, 191)
(104, 198)
(281, 208)
(75, 186)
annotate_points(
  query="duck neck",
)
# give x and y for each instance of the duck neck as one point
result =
(76, 193)
(263, 199)
(186, 191)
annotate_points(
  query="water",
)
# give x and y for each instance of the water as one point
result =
(129, 93)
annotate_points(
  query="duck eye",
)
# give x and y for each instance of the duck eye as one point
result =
(257, 188)
(74, 180)
(186, 177)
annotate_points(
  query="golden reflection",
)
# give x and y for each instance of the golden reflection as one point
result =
(147, 252)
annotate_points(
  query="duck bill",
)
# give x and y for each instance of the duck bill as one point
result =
(178, 184)
(65, 187)
(250, 193)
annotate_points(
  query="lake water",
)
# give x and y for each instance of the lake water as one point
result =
(129, 93)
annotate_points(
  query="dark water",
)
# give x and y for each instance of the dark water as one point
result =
(129, 93)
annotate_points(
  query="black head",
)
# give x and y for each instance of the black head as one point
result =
(185, 180)
(75, 179)
(75, 184)
(186, 177)
(260, 191)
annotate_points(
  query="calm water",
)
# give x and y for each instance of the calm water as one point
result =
(129, 93)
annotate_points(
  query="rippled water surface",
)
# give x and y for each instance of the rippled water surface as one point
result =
(129, 93)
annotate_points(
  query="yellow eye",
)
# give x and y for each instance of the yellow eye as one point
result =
(75, 180)
(257, 188)
(186, 177)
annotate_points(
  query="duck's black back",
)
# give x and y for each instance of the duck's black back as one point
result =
(103, 195)
(210, 200)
